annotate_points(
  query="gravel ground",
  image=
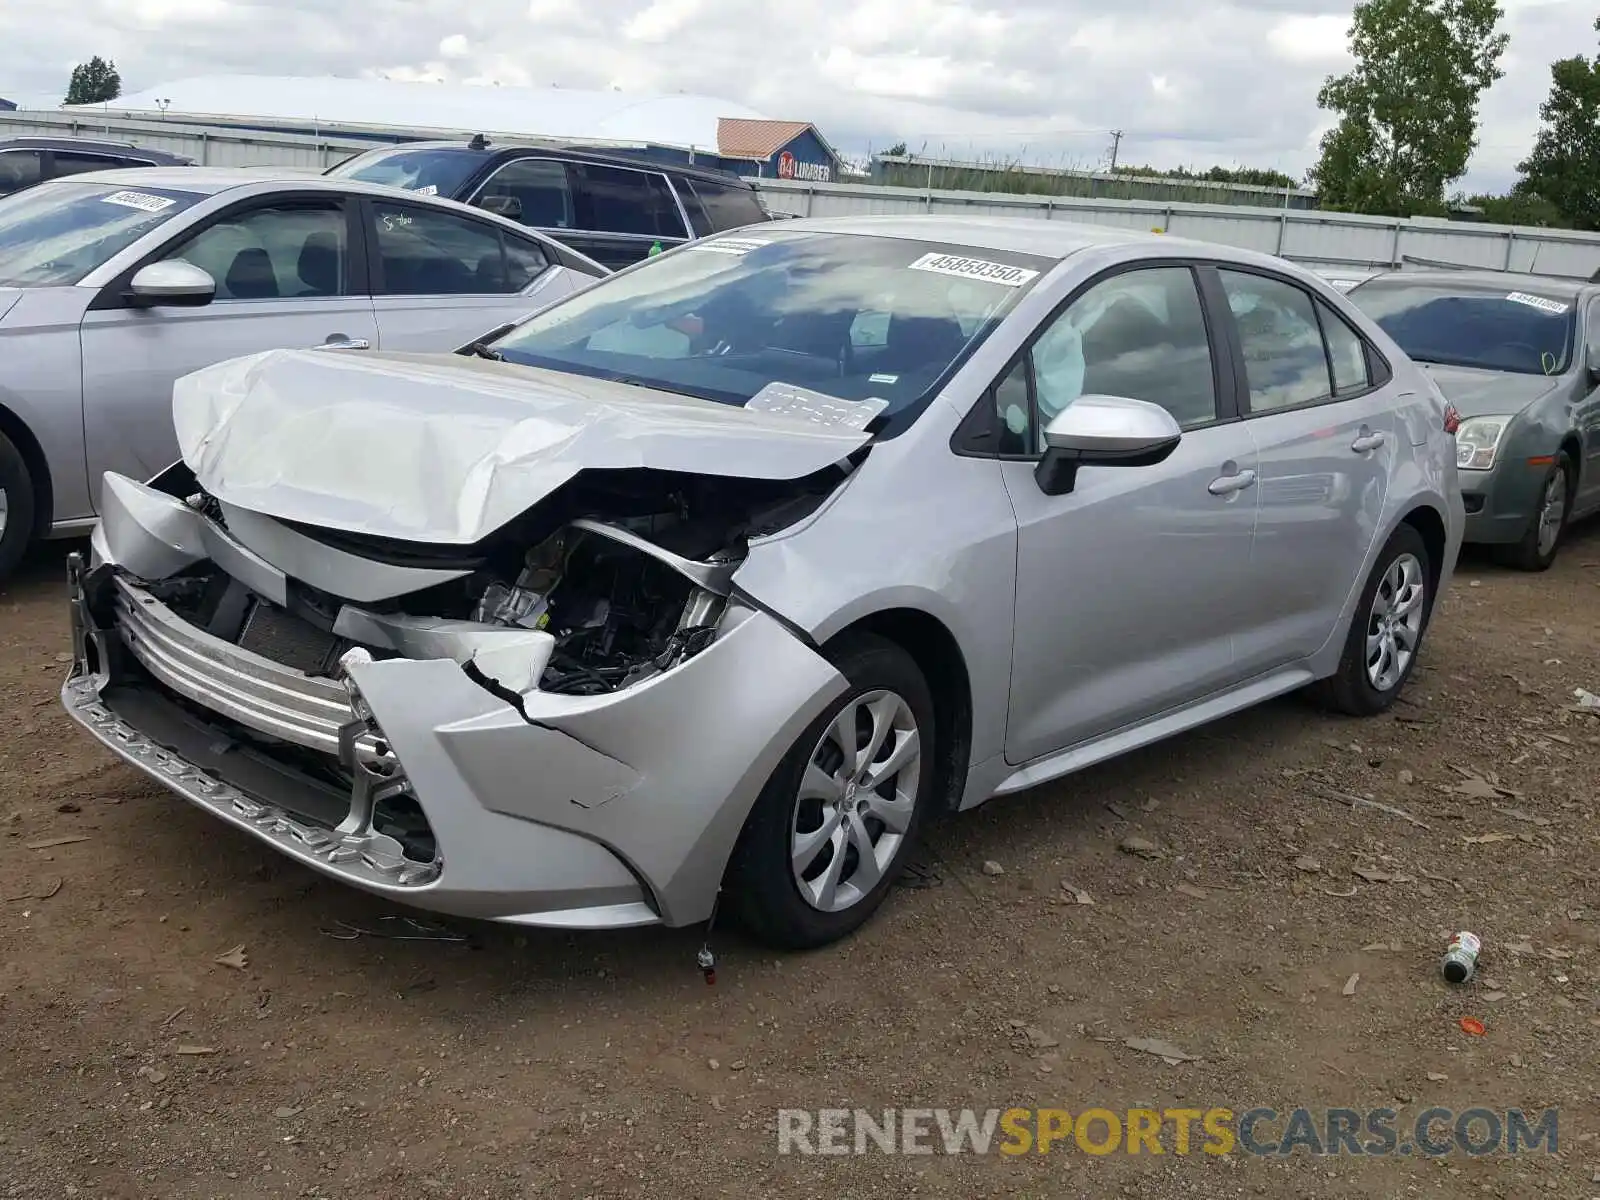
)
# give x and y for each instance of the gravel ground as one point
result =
(1035, 939)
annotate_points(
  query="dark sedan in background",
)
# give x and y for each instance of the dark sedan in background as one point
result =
(1519, 357)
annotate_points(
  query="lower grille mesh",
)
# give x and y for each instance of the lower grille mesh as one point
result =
(285, 638)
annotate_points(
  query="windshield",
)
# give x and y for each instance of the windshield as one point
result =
(1501, 330)
(438, 172)
(771, 320)
(54, 234)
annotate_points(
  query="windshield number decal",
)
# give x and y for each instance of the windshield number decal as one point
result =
(431, 190)
(739, 246)
(1554, 307)
(974, 268)
(143, 201)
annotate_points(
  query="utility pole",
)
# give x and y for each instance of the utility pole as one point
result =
(1116, 141)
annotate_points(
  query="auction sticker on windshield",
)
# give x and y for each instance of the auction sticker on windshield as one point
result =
(1555, 307)
(732, 245)
(974, 268)
(140, 200)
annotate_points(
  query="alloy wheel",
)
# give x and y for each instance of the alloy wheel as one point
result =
(1394, 624)
(856, 800)
(1552, 511)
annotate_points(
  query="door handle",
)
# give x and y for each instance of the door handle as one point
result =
(1367, 441)
(1227, 485)
(339, 342)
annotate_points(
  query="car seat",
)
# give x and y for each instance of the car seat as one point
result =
(251, 276)
(318, 265)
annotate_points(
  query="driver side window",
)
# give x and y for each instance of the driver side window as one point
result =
(1140, 334)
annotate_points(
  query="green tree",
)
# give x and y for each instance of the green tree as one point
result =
(1564, 168)
(94, 82)
(897, 150)
(1409, 107)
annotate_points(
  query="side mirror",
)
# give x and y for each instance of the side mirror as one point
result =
(171, 283)
(1591, 357)
(1104, 431)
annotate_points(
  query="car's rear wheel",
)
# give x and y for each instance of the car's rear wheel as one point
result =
(16, 507)
(1538, 547)
(833, 827)
(1385, 636)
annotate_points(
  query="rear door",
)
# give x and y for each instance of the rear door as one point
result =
(442, 278)
(1325, 430)
(289, 275)
(726, 205)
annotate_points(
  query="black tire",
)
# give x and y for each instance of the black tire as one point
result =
(761, 887)
(1526, 555)
(16, 484)
(1351, 689)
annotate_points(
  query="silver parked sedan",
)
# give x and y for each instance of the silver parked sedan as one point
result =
(724, 575)
(1519, 358)
(115, 283)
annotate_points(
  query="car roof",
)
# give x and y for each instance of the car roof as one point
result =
(616, 158)
(1508, 281)
(1016, 235)
(37, 142)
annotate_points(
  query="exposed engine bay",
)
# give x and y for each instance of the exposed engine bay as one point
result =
(628, 571)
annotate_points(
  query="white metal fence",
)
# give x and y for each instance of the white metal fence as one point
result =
(1334, 243)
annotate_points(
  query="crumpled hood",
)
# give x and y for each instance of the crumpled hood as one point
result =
(8, 297)
(445, 448)
(1479, 393)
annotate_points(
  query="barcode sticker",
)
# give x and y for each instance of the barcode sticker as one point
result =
(140, 200)
(1554, 307)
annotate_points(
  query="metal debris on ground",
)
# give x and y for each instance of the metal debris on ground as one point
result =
(51, 843)
(398, 929)
(195, 1051)
(1166, 1051)
(234, 958)
(1350, 984)
(1587, 701)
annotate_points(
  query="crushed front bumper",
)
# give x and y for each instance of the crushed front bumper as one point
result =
(576, 812)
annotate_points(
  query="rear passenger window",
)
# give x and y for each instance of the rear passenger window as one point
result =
(18, 169)
(728, 205)
(1346, 351)
(625, 201)
(1284, 359)
(426, 253)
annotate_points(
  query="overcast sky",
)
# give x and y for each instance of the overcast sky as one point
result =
(1231, 83)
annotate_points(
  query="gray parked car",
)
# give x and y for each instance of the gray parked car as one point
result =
(114, 283)
(725, 574)
(1519, 358)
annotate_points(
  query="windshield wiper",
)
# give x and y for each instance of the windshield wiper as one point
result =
(480, 350)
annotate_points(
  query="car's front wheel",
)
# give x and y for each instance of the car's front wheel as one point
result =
(1537, 549)
(833, 827)
(1385, 635)
(16, 507)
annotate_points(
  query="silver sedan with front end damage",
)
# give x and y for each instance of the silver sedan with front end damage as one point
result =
(720, 578)
(1518, 356)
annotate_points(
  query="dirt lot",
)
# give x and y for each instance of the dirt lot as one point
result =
(523, 1063)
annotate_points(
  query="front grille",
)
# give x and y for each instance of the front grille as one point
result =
(293, 641)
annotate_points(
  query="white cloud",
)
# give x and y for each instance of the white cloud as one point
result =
(962, 77)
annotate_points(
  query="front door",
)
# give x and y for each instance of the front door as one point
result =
(1328, 440)
(1130, 588)
(285, 280)
(443, 278)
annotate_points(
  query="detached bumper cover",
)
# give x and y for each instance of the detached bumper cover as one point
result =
(579, 812)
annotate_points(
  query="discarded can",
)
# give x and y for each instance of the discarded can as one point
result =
(1461, 957)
